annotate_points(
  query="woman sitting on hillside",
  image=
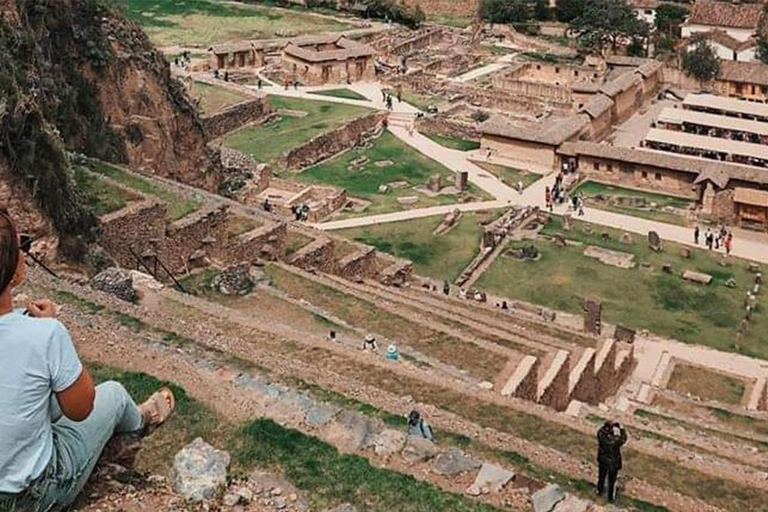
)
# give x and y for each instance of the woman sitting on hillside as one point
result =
(54, 423)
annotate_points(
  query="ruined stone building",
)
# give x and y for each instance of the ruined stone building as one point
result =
(246, 54)
(328, 59)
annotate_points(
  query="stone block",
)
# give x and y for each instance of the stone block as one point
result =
(545, 500)
(490, 479)
(697, 277)
(453, 462)
(199, 471)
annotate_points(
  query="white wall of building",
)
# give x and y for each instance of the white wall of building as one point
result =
(726, 53)
(740, 34)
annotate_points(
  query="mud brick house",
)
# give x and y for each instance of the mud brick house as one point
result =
(246, 54)
(735, 193)
(745, 80)
(328, 59)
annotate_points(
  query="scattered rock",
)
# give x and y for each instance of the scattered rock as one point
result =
(408, 200)
(234, 280)
(383, 189)
(418, 449)
(697, 277)
(572, 504)
(349, 430)
(485, 385)
(754, 268)
(245, 494)
(389, 442)
(731, 283)
(319, 415)
(231, 500)
(453, 462)
(609, 257)
(544, 500)
(199, 470)
(685, 252)
(490, 479)
(115, 281)
(626, 239)
(345, 507)
(383, 163)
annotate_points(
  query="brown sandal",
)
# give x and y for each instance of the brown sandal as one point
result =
(157, 408)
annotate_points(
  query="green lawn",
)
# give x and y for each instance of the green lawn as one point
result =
(454, 142)
(407, 165)
(420, 101)
(103, 197)
(267, 142)
(204, 22)
(213, 98)
(509, 175)
(348, 94)
(177, 206)
(706, 384)
(439, 257)
(603, 197)
(643, 298)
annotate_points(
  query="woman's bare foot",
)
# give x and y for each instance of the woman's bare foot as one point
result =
(157, 408)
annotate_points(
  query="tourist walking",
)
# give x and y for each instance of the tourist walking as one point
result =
(728, 243)
(548, 198)
(580, 205)
(709, 239)
(610, 438)
(696, 233)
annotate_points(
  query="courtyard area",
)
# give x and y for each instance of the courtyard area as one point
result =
(301, 121)
(642, 297)
(389, 163)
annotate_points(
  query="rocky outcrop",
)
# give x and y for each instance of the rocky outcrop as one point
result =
(76, 75)
(200, 471)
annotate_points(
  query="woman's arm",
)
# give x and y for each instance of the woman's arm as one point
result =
(76, 401)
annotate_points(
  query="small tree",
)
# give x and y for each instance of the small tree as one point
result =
(762, 49)
(701, 63)
(670, 16)
(504, 11)
(541, 10)
(607, 22)
(636, 48)
(569, 10)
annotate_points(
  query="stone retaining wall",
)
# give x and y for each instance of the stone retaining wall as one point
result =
(187, 235)
(139, 226)
(234, 117)
(445, 126)
(329, 144)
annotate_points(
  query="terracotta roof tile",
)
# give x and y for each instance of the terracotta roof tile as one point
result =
(725, 14)
(744, 72)
(552, 132)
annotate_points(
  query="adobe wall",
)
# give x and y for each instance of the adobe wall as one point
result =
(139, 226)
(266, 242)
(329, 144)
(540, 155)
(723, 207)
(627, 102)
(450, 7)
(359, 264)
(185, 236)
(316, 255)
(231, 118)
(621, 173)
(586, 387)
(24, 208)
(445, 126)
(339, 72)
(556, 394)
(601, 126)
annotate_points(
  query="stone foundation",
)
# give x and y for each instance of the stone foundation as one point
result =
(329, 144)
(138, 227)
(234, 117)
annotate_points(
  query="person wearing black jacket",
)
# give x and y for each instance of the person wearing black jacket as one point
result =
(610, 438)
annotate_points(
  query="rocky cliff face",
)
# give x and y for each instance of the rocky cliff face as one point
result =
(75, 75)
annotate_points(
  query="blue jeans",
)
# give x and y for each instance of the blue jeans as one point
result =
(77, 448)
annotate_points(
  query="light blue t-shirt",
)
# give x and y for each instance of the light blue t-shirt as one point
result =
(37, 359)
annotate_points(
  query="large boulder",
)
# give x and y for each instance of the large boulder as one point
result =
(418, 449)
(544, 500)
(453, 462)
(199, 471)
(389, 442)
(572, 504)
(349, 430)
(115, 281)
(490, 479)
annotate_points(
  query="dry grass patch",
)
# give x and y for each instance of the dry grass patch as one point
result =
(706, 384)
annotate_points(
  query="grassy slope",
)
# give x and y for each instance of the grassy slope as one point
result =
(213, 98)
(266, 143)
(348, 94)
(509, 175)
(590, 189)
(454, 142)
(439, 257)
(663, 303)
(203, 22)
(177, 206)
(100, 195)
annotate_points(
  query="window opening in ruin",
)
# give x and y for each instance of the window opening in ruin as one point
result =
(645, 174)
(596, 166)
(658, 176)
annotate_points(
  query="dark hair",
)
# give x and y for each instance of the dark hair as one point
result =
(9, 249)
